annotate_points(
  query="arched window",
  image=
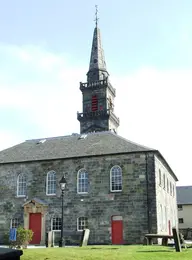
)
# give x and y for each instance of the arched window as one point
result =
(51, 183)
(21, 185)
(173, 191)
(116, 178)
(167, 185)
(164, 184)
(159, 177)
(170, 189)
(82, 181)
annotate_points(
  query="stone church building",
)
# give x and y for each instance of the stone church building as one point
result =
(118, 189)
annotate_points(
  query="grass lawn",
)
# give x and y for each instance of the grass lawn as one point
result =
(107, 252)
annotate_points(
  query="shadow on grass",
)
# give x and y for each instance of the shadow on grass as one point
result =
(104, 248)
(155, 251)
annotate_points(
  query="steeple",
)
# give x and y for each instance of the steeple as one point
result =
(97, 65)
(98, 93)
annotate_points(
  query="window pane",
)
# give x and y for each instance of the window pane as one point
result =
(181, 220)
(51, 183)
(82, 223)
(83, 181)
(56, 224)
(21, 185)
(116, 178)
(15, 223)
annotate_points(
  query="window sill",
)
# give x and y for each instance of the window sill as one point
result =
(21, 196)
(51, 195)
(115, 191)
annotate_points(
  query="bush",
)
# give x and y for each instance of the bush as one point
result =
(24, 236)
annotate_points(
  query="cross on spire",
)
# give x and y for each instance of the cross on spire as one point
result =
(96, 17)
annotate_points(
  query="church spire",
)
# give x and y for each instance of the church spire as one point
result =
(97, 65)
(98, 94)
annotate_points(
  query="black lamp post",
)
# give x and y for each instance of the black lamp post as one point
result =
(62, 184)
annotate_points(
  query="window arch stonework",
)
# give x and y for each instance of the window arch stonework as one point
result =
(51, 183)
(82, 181)
(116, 179)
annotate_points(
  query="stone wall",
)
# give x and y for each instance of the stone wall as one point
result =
(166, 198)
(133, 203)
(94, 124)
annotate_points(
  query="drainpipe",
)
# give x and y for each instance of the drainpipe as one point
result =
(148, 200)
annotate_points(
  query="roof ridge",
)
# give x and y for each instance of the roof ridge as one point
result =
(51, 137)
(64, 136)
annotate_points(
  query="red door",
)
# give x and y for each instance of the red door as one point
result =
(35, 226)
(117, 230)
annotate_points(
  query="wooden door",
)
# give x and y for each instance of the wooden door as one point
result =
(117, 230)
(35, 226)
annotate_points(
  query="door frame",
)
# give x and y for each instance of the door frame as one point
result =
(36, 206)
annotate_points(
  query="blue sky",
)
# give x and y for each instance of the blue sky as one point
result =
(45, 49)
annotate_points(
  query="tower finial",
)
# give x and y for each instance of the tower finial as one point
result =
(96, 17)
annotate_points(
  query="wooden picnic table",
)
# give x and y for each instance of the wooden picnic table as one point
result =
(148, 240)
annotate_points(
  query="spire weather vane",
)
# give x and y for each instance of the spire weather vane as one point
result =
(96, 17)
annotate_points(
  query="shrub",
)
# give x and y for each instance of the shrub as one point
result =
(24, 236)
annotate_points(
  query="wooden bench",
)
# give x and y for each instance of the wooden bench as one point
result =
(148, 240)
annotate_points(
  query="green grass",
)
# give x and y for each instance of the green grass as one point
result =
(107, 253)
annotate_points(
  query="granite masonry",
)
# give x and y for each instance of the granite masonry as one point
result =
(118, 189)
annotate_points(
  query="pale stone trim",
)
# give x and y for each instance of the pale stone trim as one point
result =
(35, 207)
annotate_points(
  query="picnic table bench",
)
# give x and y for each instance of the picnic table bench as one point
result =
(148, 240)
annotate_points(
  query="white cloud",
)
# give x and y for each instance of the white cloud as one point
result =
(155, 109)
(154, 106)
(50, 101)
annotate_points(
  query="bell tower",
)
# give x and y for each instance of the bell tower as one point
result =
(98, 93)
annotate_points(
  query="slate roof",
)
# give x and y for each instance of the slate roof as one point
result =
(184, 195)
(72, 146)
